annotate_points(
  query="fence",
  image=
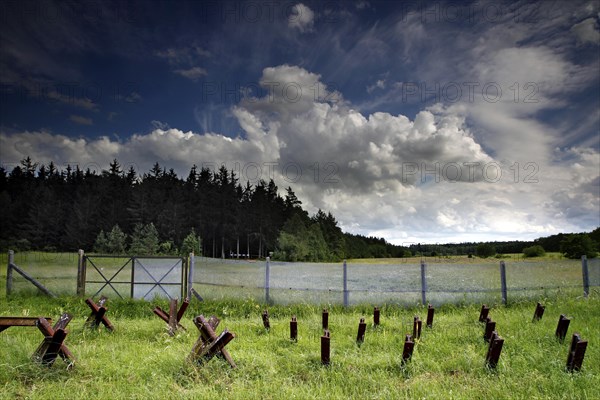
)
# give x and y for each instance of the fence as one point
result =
(401, 283)
(122, 276)
(435, 281)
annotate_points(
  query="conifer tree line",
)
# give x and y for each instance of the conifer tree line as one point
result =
(118, 211)
(121, 211)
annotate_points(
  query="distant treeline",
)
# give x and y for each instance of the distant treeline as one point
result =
(43, 207)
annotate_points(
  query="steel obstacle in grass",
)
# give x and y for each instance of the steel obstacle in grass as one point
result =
(325, 348)
(98, 315)
(490, 327)
(362, 327)
(53, 344)
(325, 319)
(209, 344)
(376, 315)
(172, 319)
(576, 353)
(417, 324)
(294, 329)
(494, 349)
(562, 327)
(265, 319)
(407, 351)
(539, 312)
(483, 313)
(430, 313)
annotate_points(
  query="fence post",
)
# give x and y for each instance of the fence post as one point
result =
(9, 271)
(190, 278)
(267, 272)
(423, 284)
(345, 284)
(80, 275)
(503, 281)
(586, 276)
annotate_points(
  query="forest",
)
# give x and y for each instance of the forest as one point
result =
(46, 208)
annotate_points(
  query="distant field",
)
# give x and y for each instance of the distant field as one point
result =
(141, 361)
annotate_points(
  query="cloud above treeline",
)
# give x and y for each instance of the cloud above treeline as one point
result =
(420, 179)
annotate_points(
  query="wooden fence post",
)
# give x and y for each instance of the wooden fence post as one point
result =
(9, 272)
(80, 274)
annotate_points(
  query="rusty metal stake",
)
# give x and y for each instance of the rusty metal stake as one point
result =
(490, 327)
(265, 319)
(576, 353)
(362, 327)
(325, 319)
(483, 314)
(430, 312)
(417, 324)
(539, 312)
(562, 327)
(294, 328)
(376, 316)
(325, 348)
(407, 351)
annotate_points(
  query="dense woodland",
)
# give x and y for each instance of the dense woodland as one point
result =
(46, 208)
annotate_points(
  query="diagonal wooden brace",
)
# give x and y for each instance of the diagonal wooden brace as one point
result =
(98, 314)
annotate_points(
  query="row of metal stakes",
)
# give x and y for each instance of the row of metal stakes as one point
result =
(360, 336)
(490, 335)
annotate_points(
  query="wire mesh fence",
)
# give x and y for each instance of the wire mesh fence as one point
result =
(375, 282)
(396, 282)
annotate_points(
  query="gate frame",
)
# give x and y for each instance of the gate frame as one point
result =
(83, 264)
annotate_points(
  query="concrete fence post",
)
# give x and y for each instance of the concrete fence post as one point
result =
(586, 276)
(423, 283)
(503, 281)
(267, 273)
(345, 284)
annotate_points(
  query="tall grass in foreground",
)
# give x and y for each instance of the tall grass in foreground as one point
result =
(140, 360)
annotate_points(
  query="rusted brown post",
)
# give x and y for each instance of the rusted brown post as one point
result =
(265, 319)
(362, 327)
(417, 324)
(430, 312)
(325, 319)
(98, 314)
(483, 313)
(562, 327)
(325, 348)
(407, 351)
(294, 328)
(53, 344)
(490, 327)
(494, 350)
(376, 314)
(172, 317)
(209, 344)
(576, 353)
(539, 312)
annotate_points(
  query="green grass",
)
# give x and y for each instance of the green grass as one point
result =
(140, 360)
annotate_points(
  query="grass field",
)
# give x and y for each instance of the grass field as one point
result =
(141, 361)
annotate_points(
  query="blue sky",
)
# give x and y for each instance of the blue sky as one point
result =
(416, 121)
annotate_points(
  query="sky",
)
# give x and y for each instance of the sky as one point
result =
(416, 121)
